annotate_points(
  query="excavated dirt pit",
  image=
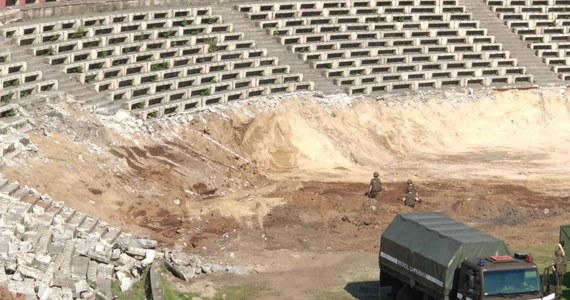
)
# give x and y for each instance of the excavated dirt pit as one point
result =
(278, 186)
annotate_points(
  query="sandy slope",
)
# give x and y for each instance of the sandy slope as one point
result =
(305, 138)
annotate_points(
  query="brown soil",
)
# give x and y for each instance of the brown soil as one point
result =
(285, 194)
(6, 295)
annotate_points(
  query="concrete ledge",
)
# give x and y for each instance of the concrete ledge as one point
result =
(156, 280)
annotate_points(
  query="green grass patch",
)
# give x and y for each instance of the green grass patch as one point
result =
(152, 115)
(10, 113)
(237, 292)
(544, 257)
(6, 98)
(170, 293)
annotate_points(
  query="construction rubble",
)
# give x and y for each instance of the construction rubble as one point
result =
(50, 251)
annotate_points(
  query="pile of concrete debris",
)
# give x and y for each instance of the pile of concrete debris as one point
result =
(50, 251)
(187, 266)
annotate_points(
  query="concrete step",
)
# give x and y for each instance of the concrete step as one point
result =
(16, 212)
(517, 48)
(3, 183)
(30, 198)
(75, 219)
(110, 237)
(109, 107)
(104, 279)
(44, 241)
(21, 193)
(81, 94)
(67, 257)
(87, 226)
(263, 40)
(10, 188)
(99, 230)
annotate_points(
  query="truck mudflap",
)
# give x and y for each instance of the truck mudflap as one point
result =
(549, 297)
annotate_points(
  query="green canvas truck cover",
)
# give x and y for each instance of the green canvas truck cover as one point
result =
(429, 247)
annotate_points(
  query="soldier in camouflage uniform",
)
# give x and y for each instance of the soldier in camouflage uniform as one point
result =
(375, 186)
(411, 194)
(558, 271)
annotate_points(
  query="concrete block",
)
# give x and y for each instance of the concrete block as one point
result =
(64, 281)
(25, 287)
(125, 279)
(80, 287)
(56, 293)
(67, 256)
(42, 260)
(92, 271)
(79, 267)
(66, 293)
(3, 276)
(33, 273)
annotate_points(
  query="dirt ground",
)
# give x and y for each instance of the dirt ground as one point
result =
(280, 188)
(6, 295)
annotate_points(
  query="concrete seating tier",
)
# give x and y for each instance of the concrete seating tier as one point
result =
(428, 39)
(145, 62)
(265, 86)
(17, 82)
(420, 52)
(111, 37)
(18, 4)
(543, 24)
(124, 21)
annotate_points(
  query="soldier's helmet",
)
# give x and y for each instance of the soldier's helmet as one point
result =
(376, 174)
(409, 181)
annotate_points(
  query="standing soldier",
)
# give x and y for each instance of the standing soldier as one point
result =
(559, 270)
(375, 186)
(411, 196)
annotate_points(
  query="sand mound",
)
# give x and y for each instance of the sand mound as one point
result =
(301, 134)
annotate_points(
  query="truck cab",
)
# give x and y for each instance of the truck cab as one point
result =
(499, 277)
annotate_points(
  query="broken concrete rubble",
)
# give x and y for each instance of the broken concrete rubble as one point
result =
(33, 273)
(42, 257)
(187, 266)
(80, 286)
(144, 243)
(125, 279)
(44, 292)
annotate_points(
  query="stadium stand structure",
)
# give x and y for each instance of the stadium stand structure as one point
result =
(18, 3)
(543, 24)
(18, 81)
(156, 62)
(160, 62)
(390, 45)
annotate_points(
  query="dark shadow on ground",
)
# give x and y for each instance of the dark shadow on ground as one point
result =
(363, 290)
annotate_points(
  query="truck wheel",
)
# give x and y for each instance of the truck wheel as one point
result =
(404, 294)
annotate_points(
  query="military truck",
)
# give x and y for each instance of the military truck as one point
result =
(427, 256)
